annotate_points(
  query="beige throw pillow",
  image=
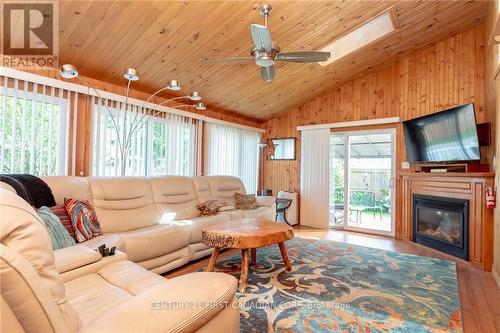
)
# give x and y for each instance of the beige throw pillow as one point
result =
(245, 202)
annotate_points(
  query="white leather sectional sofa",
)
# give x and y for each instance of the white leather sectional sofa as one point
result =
(114, 295)
(153, 220)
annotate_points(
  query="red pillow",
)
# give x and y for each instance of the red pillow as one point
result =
(62, 214)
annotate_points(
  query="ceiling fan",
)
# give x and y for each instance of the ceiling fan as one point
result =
(265, 52)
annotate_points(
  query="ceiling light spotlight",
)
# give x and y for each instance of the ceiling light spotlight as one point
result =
(195, 96)
(68, 71)
(131, 74)
(200, 106)
(174, 85)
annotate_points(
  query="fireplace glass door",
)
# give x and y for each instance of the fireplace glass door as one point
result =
(441, 223)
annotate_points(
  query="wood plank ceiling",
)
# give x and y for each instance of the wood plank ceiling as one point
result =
(168, 39)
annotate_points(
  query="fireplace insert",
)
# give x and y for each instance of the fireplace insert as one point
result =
(442, 223)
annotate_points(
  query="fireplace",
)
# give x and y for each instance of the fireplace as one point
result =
(442, 223)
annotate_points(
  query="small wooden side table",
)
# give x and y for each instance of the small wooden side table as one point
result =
(246, 234)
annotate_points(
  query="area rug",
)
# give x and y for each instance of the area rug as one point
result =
(338, 287)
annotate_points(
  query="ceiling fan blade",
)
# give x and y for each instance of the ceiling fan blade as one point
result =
(237, 59)
(267, 73)
(305, 56)
(261, 38)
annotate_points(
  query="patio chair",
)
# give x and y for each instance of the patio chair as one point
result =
(362, 200)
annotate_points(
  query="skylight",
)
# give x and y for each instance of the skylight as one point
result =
(361, 36)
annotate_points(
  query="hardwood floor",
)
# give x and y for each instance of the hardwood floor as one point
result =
(479, 294)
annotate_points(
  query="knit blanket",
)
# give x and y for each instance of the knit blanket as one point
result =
(31, 188)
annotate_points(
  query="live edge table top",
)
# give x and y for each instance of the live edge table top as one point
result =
(246, 233)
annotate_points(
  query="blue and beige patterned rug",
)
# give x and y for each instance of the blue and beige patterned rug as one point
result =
(337, 287)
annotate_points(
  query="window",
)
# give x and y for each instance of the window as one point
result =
(33, 128)
(360, 37)
(161, 144)
(233, 151)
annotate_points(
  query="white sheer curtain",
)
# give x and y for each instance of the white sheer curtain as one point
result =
(314, 177)
(232, 151)
(34, 126)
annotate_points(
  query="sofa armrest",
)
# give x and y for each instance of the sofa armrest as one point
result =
(182, 304)
(265, 201)
(73, 257)
(75, 261)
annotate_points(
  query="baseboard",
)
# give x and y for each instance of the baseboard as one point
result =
(496, 275)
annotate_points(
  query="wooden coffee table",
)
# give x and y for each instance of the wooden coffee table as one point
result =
(246, 234)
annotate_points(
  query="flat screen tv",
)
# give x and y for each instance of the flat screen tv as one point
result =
(446, 136)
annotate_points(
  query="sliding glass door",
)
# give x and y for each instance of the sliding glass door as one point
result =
(362, 171)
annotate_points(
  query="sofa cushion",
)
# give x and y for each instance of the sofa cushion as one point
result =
(158, 240)
(123, 203)
(223, 188)
(68, 187)
(262, 212)
(202, 188)
(175, 197)
(109, 240)
(92, 297)
(130, 277)
(232, 214)
(196, 224)
(205, 294)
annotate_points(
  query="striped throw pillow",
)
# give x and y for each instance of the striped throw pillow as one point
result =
(59, 236)
(83, 219)
(62, 214)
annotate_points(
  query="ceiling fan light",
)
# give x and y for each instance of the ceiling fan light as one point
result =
(200, 106)
(131, 74)
(68, 71)
(174, 85)
(195, 96)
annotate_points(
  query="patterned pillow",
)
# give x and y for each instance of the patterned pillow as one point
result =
(83, 219)
(63, 216)
(245, 201)
(210, 207)
(59, 236)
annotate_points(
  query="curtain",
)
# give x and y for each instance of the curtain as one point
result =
(34, 126)
(314, 177)
(232, 151)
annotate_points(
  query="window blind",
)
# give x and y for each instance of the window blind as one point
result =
(34, 126)
(233, 151)
(161, 144)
